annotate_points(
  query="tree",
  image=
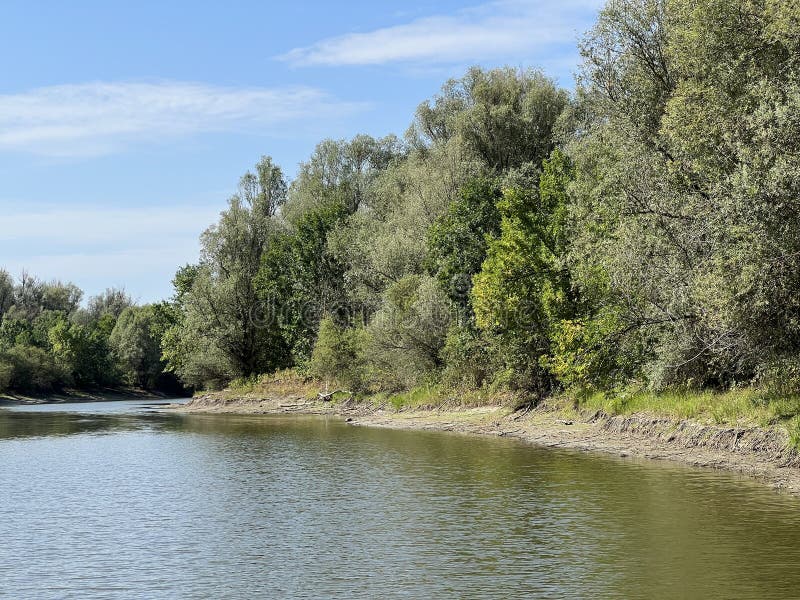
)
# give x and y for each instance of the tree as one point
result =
(524, 286)
(458, 240)
(113, 301)
(83, 352)
(685, 172)
(6, 292)
(137, 346)
(30, 369)
(408, 333)
(387, 240)
(340, 355)
(505, 116)
(342, 172)
(300, 281)
(223, 331)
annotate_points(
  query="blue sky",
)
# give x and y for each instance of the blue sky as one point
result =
(124, 126)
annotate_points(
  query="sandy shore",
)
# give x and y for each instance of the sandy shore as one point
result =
(762, 453)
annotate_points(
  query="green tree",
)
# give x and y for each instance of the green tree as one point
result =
(111, 302)
(685, 166)
(83, 352)
(137, 346)
(408, 333)
(340, 355)
(223, 331)
(300, 280)
(505, 116)
(6, 292)
(524, 285)
(459, 239)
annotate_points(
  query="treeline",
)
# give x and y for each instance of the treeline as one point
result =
(50, 342)
(643, 231)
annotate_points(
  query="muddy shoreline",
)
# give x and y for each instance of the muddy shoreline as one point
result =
(761, 453)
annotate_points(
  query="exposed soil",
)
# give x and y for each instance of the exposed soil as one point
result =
(762, 453)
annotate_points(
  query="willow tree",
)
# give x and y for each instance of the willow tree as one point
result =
(685, 147)
(224, 330)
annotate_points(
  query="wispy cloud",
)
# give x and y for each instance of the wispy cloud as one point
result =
(95, 247)
(536, 30)
(98, 118)
(86, 225)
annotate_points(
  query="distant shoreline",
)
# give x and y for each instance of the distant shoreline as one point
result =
(757, 452)
(77, 396)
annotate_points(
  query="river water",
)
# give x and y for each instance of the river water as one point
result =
(118, 500)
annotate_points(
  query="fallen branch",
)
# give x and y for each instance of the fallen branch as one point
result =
(328, 396)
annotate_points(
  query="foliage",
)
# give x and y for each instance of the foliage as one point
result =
(524, 288)
(223, 330)
(340, 355)
(30, 369)
(299, 280)
(408, 333)
(686, 163)
(643, 233)
(49, 342)
(470, 359)
(136, 343)
(504, 116)
(459, 239)
(111, 302)
(83, 352)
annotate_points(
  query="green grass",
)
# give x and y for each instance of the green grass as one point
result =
(743, 406)
(793, 429)
(280, 383)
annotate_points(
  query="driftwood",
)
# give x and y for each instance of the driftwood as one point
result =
(328, 396)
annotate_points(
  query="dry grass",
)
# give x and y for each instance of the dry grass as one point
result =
(280, 384)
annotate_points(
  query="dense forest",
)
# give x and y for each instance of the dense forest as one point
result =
(641, 231)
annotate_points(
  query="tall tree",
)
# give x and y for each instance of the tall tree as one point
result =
(223, 330)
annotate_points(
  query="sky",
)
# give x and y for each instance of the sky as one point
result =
(125, 126)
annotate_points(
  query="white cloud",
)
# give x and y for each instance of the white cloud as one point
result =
(98, 118)
(509, 29)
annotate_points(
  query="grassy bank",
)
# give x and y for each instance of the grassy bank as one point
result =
(743, 407)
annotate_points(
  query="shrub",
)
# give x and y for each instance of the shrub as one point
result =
(408, 333)
(31, 369)
(339, 355)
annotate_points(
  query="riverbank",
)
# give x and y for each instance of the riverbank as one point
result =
(764, 453)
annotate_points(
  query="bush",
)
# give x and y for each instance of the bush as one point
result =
(31, 369)
(468, 358)
(340, 355)
(594, 353)
(408, 333)
(6, 371)
(781, 377)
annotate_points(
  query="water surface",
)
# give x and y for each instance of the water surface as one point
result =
(107, 500)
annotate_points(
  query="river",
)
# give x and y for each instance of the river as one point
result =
(122, 500)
